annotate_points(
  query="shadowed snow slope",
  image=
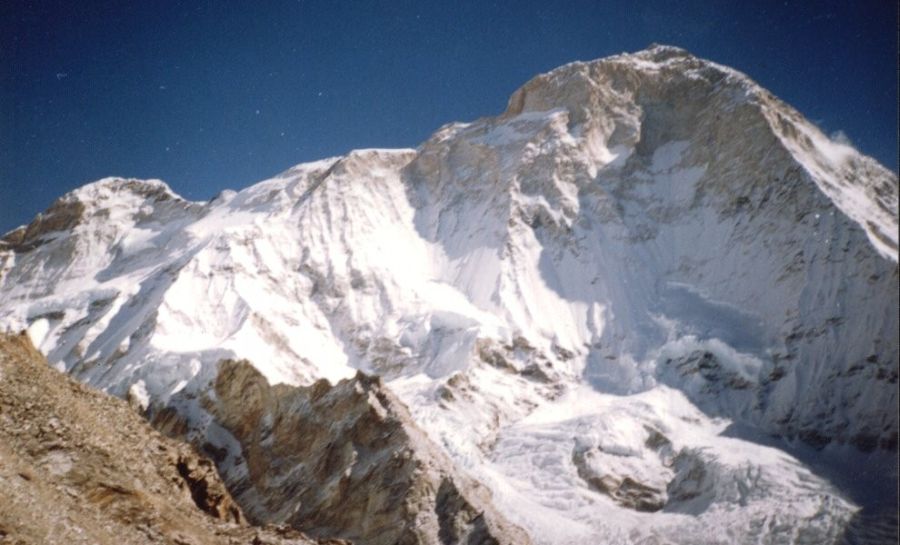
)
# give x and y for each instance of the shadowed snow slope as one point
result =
(577, 299)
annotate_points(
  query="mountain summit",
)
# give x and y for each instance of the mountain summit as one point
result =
(602, 304)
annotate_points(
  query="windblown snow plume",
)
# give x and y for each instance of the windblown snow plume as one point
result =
(649, 303)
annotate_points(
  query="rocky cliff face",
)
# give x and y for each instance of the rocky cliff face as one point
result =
(346, 461)
(598, 304)
(78, 466)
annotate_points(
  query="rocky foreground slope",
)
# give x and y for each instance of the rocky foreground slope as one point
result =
(79, 466)
(627, 306)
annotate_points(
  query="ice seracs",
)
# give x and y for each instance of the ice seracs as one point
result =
(583, 301)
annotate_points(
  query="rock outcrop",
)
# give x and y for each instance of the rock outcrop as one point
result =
(80, 467)
(346, 461)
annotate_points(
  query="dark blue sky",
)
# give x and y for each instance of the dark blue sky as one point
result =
(209, 95)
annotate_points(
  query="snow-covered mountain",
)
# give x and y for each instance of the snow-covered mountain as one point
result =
(605, 304)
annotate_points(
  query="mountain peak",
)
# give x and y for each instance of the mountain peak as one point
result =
(650, 224)
(665, 49)
(110, 187)
(646, 99)
(108, 202)
(587, 83)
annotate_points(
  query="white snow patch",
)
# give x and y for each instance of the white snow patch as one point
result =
(138, 392)
(38, 330)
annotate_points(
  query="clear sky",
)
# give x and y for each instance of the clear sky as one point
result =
(217, 94)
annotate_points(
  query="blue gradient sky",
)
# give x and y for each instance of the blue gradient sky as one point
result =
(208, 95)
